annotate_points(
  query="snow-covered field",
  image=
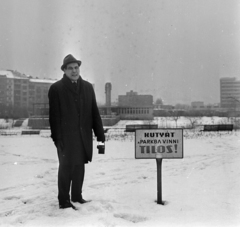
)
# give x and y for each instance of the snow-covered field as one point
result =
(203, 189)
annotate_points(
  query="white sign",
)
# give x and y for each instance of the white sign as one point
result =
(158, 143)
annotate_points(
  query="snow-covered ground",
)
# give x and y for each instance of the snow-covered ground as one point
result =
(202, 189)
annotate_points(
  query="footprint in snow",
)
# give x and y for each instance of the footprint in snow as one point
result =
(100, 206)
(130, 217)
(12, 197)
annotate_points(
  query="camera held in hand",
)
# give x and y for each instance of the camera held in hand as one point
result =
(101, 148)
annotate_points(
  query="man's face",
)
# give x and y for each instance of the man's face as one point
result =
(72, 71)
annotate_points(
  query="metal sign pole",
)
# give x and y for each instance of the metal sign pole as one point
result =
(159, 144)
(159, 181)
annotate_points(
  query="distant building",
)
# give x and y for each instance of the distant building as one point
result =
(133, 99)
(230, 93)
(167, 107)
(130, 107)
(38, 96)
(197, 105)
(134, 106)
(21, 92)
(213, 107)
(180, 106)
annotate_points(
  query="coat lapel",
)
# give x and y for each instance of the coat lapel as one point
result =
(81, 96)
(80, 88)
(68, 83)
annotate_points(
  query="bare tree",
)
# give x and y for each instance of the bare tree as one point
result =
(176, 116)
(159, 101)
(193, 121)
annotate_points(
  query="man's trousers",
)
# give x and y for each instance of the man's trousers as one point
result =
(70, 176)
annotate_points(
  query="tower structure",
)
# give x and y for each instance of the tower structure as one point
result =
(108, 88)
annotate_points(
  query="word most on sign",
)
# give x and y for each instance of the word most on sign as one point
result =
(159, 143)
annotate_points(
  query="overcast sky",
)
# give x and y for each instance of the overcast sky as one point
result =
(175, 50)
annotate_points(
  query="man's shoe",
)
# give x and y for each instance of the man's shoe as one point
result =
(67, 204)
(82, 201)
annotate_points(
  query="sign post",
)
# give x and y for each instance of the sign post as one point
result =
(159, 144)
(159, 181)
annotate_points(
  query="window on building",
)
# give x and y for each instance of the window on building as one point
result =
(17, 86)
(16, 81)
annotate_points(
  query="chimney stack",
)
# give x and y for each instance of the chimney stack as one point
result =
(108, 88)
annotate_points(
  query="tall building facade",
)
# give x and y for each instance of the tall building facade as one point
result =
(230, 93)
(19, 93)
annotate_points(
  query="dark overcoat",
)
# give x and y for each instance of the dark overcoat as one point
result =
(73, 115)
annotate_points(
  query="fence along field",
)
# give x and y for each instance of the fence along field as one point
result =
(192, 127)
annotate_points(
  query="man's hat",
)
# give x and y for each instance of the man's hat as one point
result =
(69, 59)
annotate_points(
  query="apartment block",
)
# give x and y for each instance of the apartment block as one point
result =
(18, 91)
(38, 95)
(230, 93)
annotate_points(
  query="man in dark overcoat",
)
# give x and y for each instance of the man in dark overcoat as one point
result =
(73, 114)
